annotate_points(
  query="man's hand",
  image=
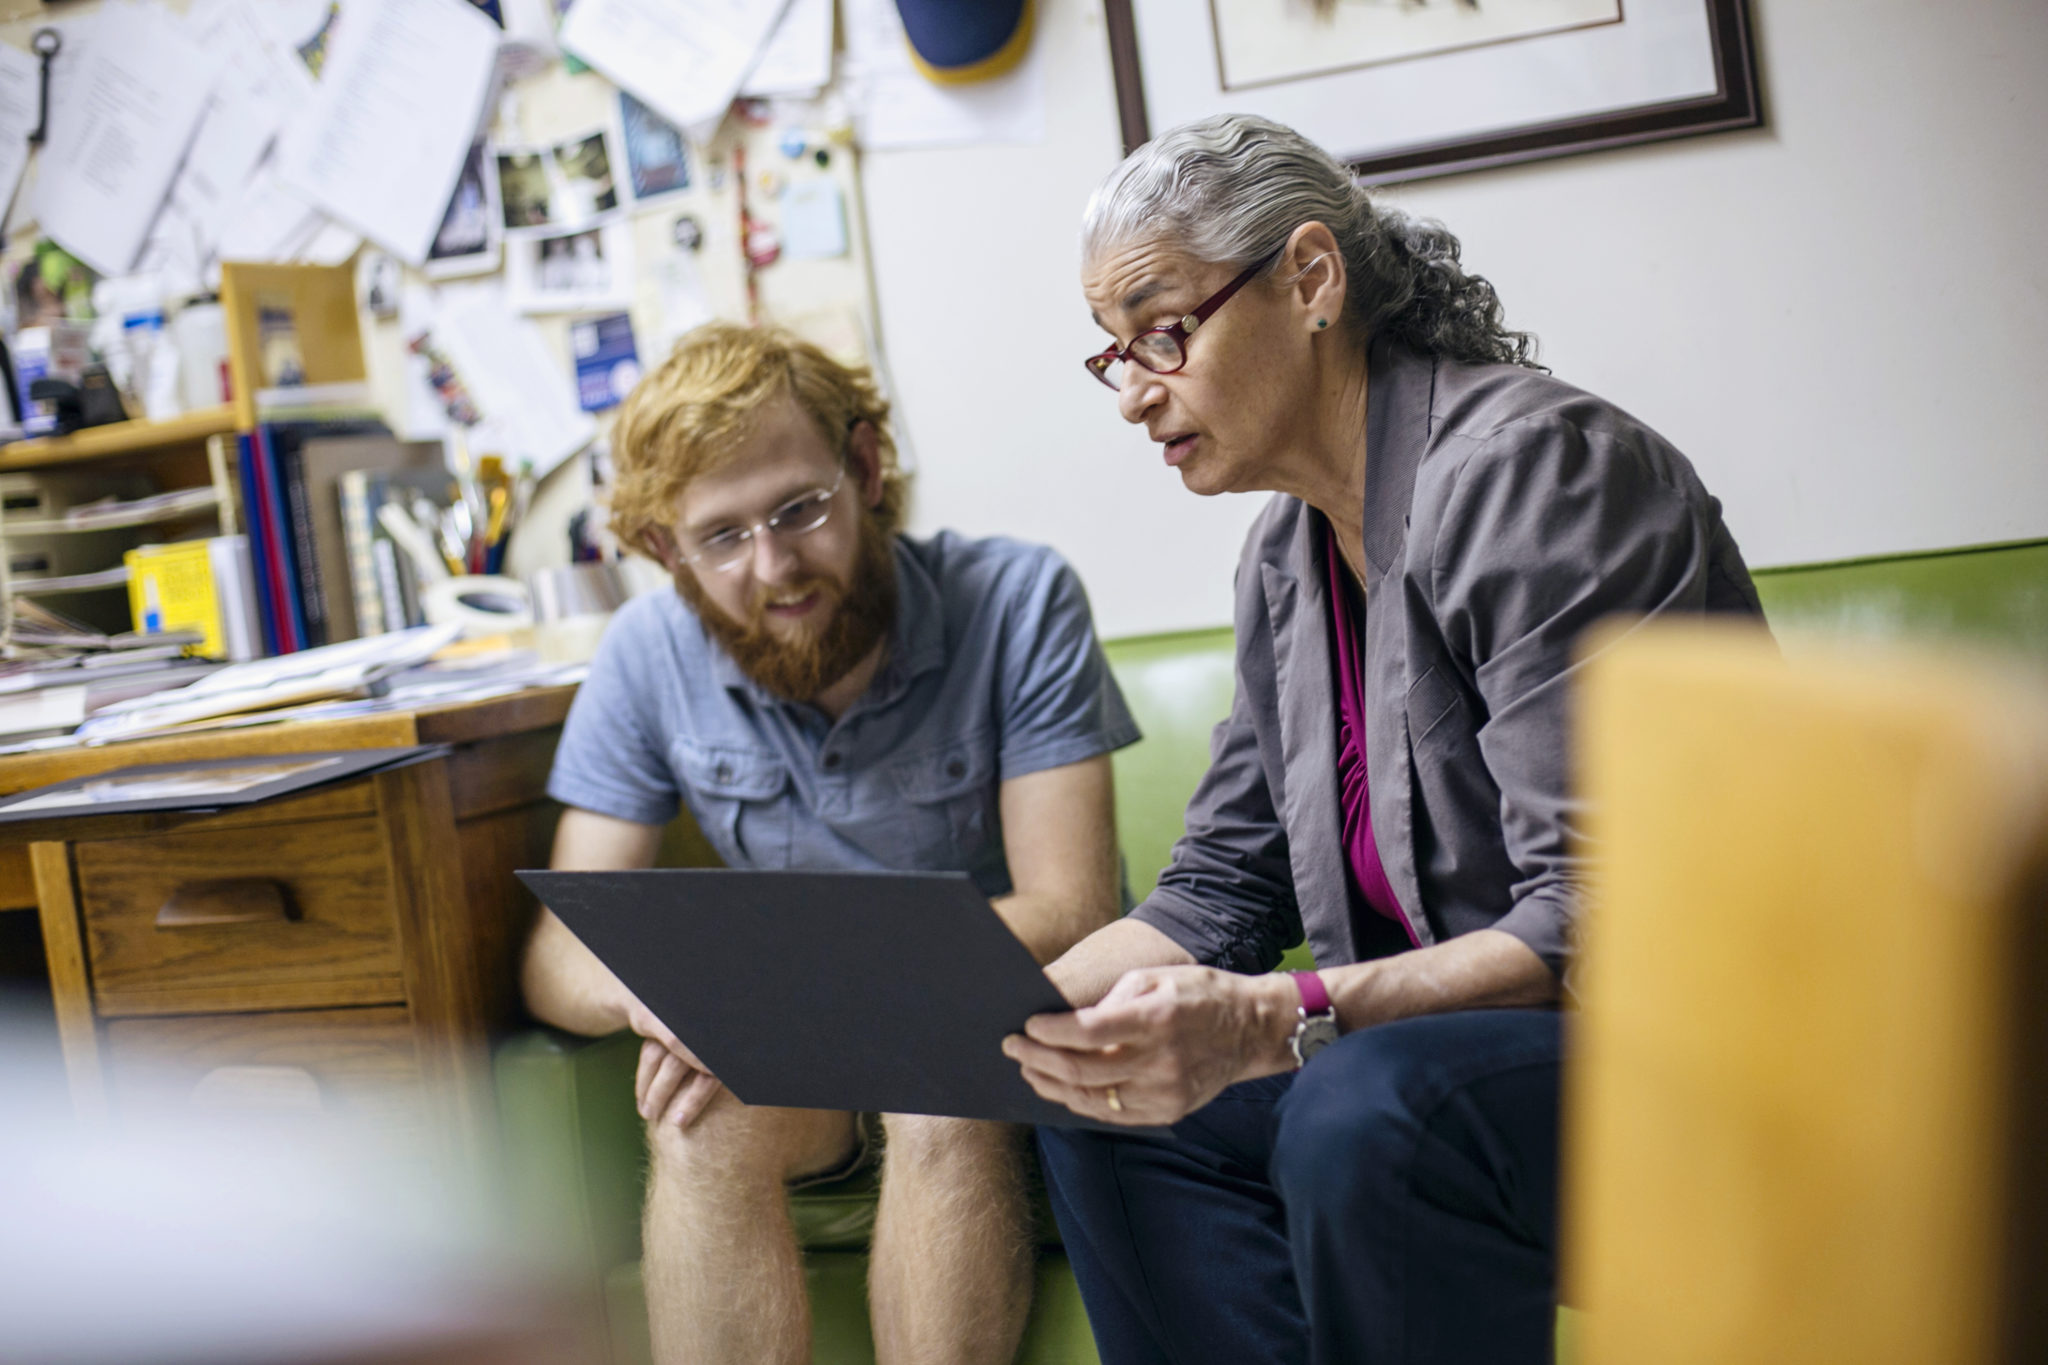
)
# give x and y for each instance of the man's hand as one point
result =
(671, 1084)
(1162, 1043)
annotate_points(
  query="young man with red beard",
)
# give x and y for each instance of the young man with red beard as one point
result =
(822, 691)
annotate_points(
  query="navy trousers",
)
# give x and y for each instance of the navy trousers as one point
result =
(1393, 1201)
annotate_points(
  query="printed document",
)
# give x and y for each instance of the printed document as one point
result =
(384, 140)
(20, 77)
(525, 394)
(798, 58)
(685, 59)
(118, 133)
(256, 92)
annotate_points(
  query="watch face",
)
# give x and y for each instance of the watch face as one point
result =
(1312, 1035)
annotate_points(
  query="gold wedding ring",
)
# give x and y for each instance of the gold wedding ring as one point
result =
(1109, 1093)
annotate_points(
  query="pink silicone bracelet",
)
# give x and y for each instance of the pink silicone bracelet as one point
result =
(1314, 998)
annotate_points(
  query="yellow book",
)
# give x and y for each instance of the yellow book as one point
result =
(191, 585)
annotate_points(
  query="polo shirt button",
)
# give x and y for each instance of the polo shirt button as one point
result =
(725, 772)
(956, 768)
(831, 761)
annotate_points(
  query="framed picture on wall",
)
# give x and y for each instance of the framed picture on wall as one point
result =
(1403, 89)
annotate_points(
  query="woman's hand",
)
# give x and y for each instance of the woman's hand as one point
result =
(1163, 1043)
(670, 1084)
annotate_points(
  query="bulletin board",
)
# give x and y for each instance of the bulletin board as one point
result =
(760, 220)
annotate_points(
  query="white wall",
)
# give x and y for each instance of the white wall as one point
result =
(983, 243)
(1842, 318)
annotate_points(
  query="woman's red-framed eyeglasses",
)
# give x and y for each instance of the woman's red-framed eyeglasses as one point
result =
(1164, 350)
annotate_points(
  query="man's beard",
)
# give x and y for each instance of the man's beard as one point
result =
(801, 666)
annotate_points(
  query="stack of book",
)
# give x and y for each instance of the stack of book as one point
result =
(56, 673)
(292, 592)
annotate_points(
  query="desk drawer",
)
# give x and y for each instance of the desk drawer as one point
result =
(275, 917)
(356, 1063)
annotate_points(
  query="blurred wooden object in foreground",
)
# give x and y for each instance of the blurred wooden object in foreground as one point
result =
(1807, 1119)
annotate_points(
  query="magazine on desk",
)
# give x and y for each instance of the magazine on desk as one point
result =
(202, 784)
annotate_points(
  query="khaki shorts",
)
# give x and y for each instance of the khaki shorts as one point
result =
(867, 1152)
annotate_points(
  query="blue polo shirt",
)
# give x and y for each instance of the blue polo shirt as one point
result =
(993, 671)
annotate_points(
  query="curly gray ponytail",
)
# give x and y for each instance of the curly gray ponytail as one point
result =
(1230, 188)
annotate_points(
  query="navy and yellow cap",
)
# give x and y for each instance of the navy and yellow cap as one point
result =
(957, 42)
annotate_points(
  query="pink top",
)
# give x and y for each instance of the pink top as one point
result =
(1354, 788)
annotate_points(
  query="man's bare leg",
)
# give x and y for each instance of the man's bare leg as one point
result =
(724, 1275)
(949, 1278)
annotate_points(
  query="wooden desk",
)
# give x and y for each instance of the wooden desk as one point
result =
(353, 946)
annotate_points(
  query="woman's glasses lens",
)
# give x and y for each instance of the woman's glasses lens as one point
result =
(1159, 352)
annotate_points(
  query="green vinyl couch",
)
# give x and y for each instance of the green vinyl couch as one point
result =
(573, 1149)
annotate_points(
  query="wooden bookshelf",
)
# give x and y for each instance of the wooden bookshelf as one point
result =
(119, 438)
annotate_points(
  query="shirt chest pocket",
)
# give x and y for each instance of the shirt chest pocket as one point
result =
(948, 806)
(741, 799)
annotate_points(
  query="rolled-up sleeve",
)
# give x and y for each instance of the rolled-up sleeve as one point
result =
(1549, 529)
(1228, 894)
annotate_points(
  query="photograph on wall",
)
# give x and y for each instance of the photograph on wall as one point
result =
(657, 154)
(1260, 41)
(586, 271)
(1402, 89)
(467, 241)
(558, 187)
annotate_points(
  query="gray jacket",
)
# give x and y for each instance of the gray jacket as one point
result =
(1505, 512)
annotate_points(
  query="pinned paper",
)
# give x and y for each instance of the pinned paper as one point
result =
(20, 83)
(258, 90)
(467, 242)
(575, 272)
(813, 220)
(607, 362)
(684, 58)
(685, 304)
(384, 141)
(798, 57)
(657, 157)
(553, 187)
(528, 405)
(129, 108)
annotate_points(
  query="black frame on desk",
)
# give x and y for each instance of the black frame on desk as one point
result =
(1736, 103)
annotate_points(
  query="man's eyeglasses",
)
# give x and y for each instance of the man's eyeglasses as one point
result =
(1164, 350)
(724, 551)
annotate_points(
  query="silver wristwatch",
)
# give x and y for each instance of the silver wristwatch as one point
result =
(1317, 1027)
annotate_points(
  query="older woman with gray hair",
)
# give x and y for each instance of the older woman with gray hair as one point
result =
(1363, 1160)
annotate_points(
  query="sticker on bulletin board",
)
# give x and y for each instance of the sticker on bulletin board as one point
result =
(813, 220)
(607, 362)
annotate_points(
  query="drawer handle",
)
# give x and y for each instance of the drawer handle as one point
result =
(234, 900)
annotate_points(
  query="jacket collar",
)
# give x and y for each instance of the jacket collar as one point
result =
(917, 638)
(1400, 386)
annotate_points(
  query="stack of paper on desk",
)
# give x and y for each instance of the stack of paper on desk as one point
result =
(354, 668)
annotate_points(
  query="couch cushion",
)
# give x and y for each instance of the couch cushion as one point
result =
(1993, 595)
(1178, 687)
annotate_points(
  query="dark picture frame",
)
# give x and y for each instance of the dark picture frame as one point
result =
(1735, 103)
